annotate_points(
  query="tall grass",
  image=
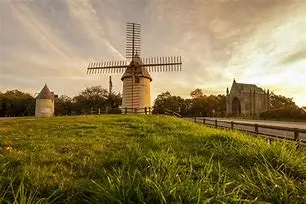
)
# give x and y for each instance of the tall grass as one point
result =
(143, 159)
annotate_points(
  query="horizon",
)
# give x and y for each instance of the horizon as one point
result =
(53, 41)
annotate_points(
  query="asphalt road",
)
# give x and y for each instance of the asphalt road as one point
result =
(261, 130)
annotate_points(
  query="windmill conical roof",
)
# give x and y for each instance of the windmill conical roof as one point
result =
(141, 71)
(45, 93)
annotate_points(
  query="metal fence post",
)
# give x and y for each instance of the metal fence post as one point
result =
(256, 128)
(216, 123)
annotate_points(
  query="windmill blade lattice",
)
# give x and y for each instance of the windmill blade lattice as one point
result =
(107, 67)
(133, 40)
(163, 64)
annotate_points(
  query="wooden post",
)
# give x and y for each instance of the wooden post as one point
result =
(256, 129)
(203, 120)
(149, 110)
(195, 119)
(269, 140)
(216, 123)
(296, 135)
(232, 125)
(125, 110)
(145, 110)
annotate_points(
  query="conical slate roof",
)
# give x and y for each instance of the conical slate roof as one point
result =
(140, 72)
(45, 93)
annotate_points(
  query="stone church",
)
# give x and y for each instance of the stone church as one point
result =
(246, 100)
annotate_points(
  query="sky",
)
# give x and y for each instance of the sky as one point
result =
(262, 42)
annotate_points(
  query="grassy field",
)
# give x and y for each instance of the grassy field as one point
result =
(143, 159)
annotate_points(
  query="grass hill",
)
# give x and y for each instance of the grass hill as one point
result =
(143, 159)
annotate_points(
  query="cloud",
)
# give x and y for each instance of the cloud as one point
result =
(86, 15)
(52, 41)
(32, 24)
(294, 57)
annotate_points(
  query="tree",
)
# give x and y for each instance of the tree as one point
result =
(16, 103)
(63, 105)
(280, 102)
(113, 102)
(197, 93)
(199, 106)
(166, 101)
(198, 103)
(221, 111)
(91, 98)
(96, 98)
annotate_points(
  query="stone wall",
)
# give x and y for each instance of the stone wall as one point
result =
(141, 93)
(44, 108)
(252, 102)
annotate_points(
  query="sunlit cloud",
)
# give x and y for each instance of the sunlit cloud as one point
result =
(52, 41)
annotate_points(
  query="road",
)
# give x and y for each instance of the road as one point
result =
(261, 130)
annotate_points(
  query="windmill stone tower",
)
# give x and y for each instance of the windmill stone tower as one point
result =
(44, 103)
(136, 78)
(136, 91)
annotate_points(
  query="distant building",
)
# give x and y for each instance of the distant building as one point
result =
(246, 100)
(44, 103)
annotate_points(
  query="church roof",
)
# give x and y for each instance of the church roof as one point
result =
(246, 87)
(140, 72)
(45, 93)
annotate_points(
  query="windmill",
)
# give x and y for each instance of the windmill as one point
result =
(136, 79)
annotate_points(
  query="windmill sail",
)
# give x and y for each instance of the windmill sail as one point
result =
(136, 78)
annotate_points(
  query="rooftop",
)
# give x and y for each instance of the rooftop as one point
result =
(45, 93)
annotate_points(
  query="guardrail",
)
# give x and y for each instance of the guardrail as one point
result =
(271, 132)
(145, 110)
(170, 112)
(98, 111)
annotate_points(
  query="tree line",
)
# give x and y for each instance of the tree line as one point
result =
(198, 105)
(15, 103)
(97, 99)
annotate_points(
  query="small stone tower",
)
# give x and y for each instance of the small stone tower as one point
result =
(136, 93)
(44, 103)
